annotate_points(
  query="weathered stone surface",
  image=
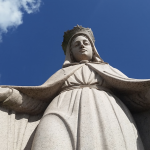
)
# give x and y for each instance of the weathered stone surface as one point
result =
(85, 105)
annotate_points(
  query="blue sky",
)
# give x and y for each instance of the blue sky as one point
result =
(31, 52)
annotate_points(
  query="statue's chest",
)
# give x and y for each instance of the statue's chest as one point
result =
(84, 75)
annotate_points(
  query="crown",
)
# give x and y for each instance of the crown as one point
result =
(77, 29)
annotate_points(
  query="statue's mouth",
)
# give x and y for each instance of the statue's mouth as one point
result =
(83, 50)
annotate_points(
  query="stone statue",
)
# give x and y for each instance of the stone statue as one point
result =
(86, 105)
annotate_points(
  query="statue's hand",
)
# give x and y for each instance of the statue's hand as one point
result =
(4, 93)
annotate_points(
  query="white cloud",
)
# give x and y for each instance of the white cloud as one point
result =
(11, 12)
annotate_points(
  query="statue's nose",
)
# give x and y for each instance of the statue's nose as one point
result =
(82, 46)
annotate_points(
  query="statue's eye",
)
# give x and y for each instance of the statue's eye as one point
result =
(86, 43)
(76, 44)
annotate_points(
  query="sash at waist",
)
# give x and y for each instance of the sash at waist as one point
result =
(98, 87)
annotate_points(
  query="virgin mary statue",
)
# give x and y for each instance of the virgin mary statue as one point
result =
(86, 105)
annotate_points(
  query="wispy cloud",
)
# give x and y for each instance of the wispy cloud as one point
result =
(11, 12)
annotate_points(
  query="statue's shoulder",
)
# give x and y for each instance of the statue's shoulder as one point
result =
(106, 68)
(63, 74)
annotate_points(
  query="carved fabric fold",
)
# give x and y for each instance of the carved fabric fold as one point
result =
(16, 130)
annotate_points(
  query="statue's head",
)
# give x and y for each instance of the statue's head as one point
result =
(81, 48)
(78, 45)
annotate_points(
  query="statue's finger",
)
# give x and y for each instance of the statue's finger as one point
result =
(4, 90)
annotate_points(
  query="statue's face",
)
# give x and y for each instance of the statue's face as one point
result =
(81, 48)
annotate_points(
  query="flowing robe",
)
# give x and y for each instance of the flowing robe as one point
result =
(95, 119)
(95, 112)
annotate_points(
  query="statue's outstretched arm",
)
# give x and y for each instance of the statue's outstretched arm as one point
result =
(19, 102)
(136, 101)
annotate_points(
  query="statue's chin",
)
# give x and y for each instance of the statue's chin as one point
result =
(83, 58)
(84, 61)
